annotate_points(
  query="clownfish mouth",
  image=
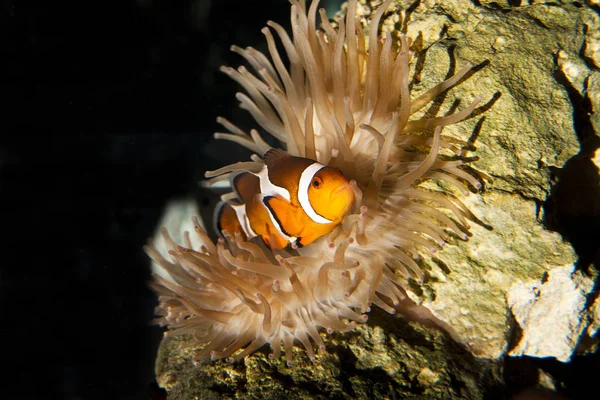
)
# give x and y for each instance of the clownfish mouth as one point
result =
(344, 187)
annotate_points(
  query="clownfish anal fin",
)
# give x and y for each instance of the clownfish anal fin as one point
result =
(274, 156)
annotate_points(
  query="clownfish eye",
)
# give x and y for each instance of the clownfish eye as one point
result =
(317, 182)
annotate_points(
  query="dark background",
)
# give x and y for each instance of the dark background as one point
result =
(108, 112)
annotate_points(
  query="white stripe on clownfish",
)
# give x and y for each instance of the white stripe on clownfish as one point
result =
(305, 181)
(240, 212)
(269, 189)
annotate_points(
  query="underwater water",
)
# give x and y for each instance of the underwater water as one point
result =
(109, 111)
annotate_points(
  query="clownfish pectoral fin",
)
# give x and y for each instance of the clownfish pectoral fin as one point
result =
(225, 218)
(283, 215)
(274, 156)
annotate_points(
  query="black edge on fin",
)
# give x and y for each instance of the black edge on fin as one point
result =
(232, 181)
(217, 217)
(266, 203)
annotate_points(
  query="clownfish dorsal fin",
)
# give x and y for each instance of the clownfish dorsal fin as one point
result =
(275, 156)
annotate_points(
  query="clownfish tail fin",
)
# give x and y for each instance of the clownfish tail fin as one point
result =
(217, 215)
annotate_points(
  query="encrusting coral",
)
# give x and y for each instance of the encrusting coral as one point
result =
(344, 101)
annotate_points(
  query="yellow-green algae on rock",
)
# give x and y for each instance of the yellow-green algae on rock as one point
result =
(413, 362)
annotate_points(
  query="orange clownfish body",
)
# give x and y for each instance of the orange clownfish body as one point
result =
(292, 200)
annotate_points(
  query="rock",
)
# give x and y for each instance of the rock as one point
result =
(593, 95)
(478, 273)
(551, 313)
(177, 218)
(592, 40)
(387, 357)
(593, 331)
(527, 129)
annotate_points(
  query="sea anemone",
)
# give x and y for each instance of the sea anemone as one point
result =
(344, 101)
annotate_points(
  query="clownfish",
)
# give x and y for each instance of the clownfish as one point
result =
(291, 201)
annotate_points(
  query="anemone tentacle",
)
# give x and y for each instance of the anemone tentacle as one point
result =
(344, 101)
